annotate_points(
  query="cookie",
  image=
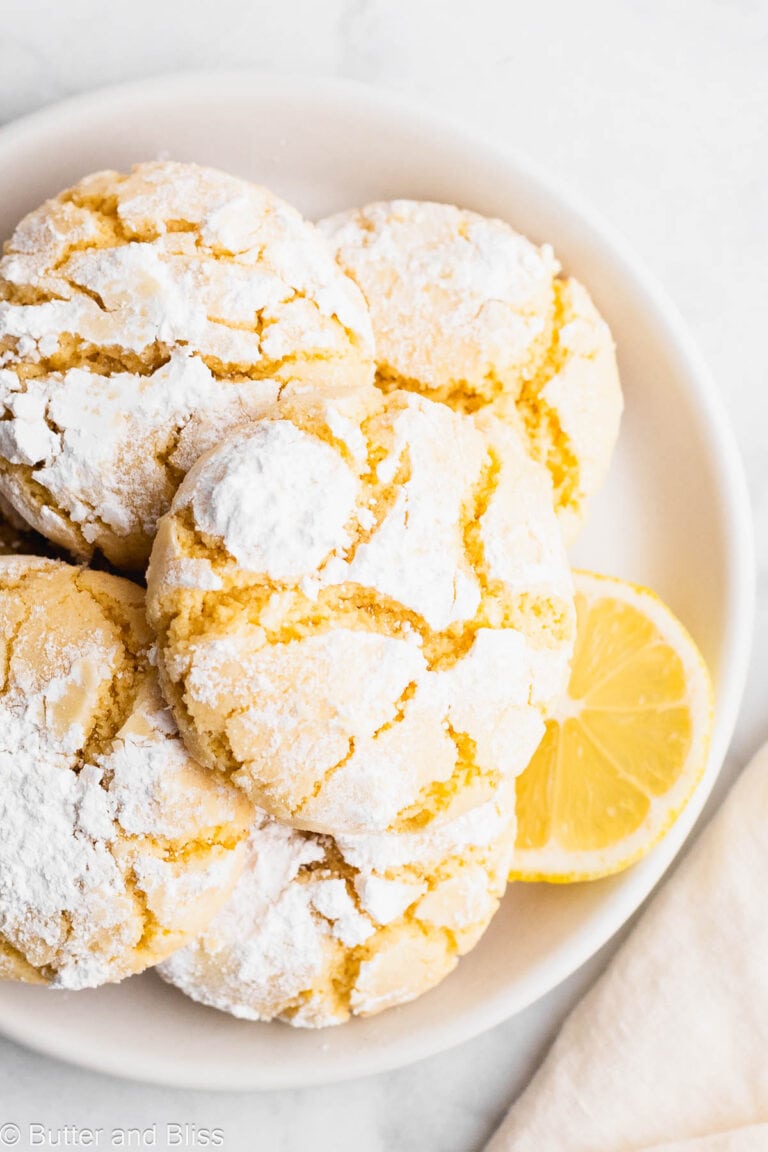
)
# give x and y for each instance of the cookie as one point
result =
(319, 929)
(140, 316)
(467, 311)
(115, 846)
(364, 610)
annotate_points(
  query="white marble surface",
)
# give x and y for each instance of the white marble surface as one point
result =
(654, 110)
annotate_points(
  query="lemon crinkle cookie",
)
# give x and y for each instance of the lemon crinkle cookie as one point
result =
(467, 311)
(363, 611)
(319, 929)
(115, 847)
(142, 314)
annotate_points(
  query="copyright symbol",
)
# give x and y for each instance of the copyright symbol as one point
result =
(10, 1134)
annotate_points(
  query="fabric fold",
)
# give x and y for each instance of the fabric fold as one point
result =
(669, 1051)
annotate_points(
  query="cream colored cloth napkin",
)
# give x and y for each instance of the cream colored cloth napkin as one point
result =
(669, 1050)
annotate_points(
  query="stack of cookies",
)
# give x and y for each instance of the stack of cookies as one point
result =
(345, 460)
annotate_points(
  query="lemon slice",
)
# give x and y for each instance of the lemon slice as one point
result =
(627, 745)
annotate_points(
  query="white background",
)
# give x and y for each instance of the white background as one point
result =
(654, 110)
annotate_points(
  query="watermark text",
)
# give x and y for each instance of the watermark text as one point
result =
(161, 1136)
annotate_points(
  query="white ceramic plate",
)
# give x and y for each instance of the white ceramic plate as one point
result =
(673, 515)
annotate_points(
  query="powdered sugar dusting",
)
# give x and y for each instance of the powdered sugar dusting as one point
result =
(156, 310)
(276, 498)
(402, 669)
(456, 299)
(318, 928)
(467, 311)
(416, 554)
(79, 830)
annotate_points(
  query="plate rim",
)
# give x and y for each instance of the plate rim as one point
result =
(739, 605)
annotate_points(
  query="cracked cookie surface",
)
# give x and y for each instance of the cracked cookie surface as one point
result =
(467, 311)
(115, 846)
(140, 316)
(364, 610)
(319, 929)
